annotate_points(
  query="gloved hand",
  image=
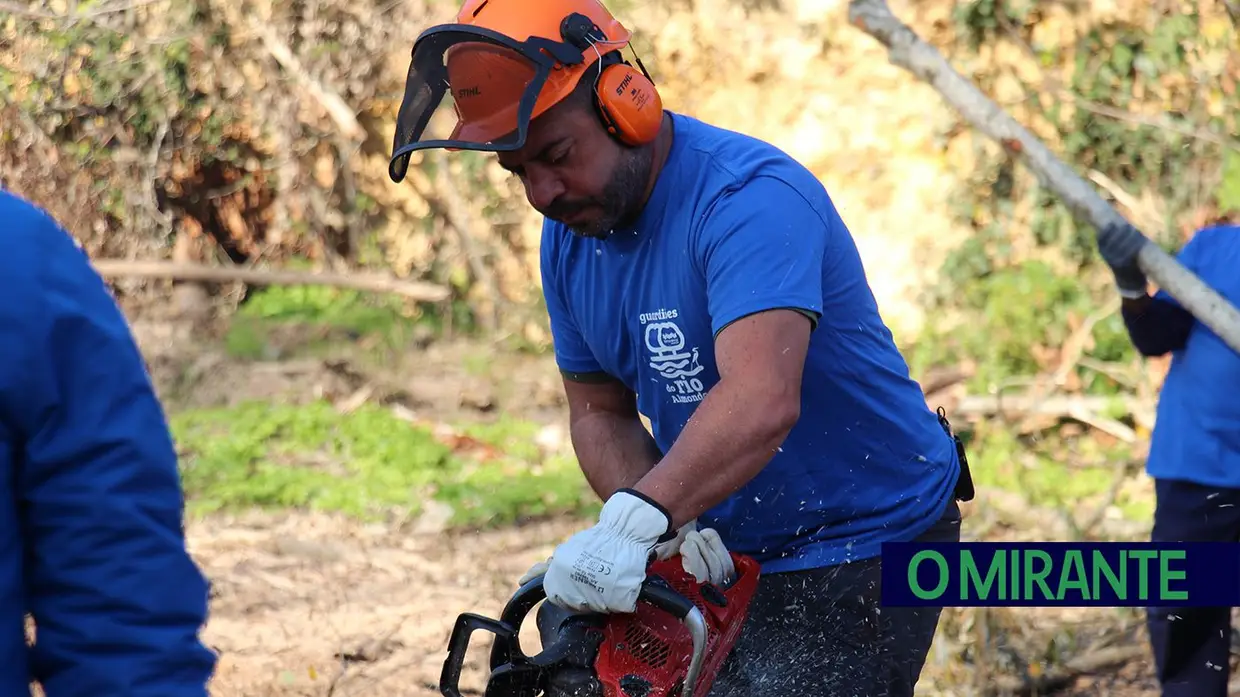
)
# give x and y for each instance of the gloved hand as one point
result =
(538, 569)
(665, 550)
(601, 569)
(671, 548)
(1119, 245)
(704, 555)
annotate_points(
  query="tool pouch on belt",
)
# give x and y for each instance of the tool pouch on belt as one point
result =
(964, 484)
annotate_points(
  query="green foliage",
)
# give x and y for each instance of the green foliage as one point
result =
(981, 20)
(1112, 66)
(1142, 105)
(1023, 278)
(1055, 470)
(343, 308)
(1116, 74)
(323, 316)
(368, 464)
(1229, 189)
(106, 77)
(1016, 310)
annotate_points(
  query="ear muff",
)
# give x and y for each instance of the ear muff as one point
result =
(628, 104)
(625, 97)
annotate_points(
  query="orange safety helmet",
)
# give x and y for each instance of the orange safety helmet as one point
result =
(503, 63)
(520, 20)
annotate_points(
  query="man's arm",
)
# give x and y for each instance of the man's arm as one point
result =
(1157, 325)
(742, 421)
(762, 250)
(116, 599)
(613, 447)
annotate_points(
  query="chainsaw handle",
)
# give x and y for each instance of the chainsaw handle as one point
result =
(653, 592)
(466, 624)
(668, 600)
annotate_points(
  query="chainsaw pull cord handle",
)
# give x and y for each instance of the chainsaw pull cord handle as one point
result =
(673, 603)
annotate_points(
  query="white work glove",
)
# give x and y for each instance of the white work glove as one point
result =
(665, 550)
(601, 569)
(671, 548)
(538, 569)
(703, 554)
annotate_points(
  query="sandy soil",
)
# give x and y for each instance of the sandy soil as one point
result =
(307, 604)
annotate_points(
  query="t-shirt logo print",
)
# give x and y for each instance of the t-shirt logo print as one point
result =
(666, 344)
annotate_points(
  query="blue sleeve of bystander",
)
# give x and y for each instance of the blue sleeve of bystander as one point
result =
(117, 600)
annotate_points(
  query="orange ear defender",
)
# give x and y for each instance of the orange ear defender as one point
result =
(626, 99)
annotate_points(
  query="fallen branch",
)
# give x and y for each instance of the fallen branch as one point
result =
(375, 283)
(910, 52)
(1074, 347)
(1104, 424)
(996, 506)
(1092, 662)
(1082, 408)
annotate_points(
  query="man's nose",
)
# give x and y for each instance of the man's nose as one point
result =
(542, 188)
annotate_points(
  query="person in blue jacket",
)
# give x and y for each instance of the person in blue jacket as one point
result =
(704, 278)
(91, 540)
(1194, 456)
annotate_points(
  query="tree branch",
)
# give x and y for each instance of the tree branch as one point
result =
(910, 52)
(116, 268)
(1087, 409)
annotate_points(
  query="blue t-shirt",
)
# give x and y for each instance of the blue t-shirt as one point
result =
(734, 226)
(1197, 430)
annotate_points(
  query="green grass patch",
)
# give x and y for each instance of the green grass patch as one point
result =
(311, 320)
(368, 464)
(1007, 315)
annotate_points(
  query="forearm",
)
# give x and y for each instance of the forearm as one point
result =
(733, 434)
(615, 451)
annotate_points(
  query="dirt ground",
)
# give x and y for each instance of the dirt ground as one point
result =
(316, 605)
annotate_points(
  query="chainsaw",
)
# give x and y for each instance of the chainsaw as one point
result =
(678, 636)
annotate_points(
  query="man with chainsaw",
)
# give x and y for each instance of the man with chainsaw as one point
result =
(702, 278)
(91, 545)
(1194, 456)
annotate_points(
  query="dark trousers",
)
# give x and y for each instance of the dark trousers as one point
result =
(1192, 646)
(822, 633)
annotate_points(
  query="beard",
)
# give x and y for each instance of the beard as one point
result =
(620, 201)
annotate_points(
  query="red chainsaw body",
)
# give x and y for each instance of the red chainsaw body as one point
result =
(656, 647)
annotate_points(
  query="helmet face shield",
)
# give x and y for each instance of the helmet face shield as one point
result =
(470, 88)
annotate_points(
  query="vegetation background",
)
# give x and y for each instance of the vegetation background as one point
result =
(362, 466)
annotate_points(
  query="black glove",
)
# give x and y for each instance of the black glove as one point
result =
(1119, 244)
